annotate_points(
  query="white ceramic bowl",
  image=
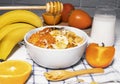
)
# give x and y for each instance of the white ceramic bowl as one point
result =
(56, 58)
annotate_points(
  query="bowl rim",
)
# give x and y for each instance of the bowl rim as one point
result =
(59, 26)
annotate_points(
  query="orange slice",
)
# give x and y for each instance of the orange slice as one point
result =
(14, 72)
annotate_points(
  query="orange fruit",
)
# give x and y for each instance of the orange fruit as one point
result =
(14, 72)
(51, 19)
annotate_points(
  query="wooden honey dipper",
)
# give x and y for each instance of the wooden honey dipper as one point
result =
(51, 7)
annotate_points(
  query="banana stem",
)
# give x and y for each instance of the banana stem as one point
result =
(1, 60)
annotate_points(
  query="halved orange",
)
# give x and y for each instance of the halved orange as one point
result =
(14, 72)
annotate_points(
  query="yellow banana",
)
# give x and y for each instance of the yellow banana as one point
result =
(10, 40)
(20, 16)
(6, 29)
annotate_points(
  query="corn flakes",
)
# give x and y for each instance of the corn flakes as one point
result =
(53, 38)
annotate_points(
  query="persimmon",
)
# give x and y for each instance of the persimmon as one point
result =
(99, 56)
(79, 19)
(67, 8)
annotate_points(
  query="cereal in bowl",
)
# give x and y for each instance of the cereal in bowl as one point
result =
(55, 38)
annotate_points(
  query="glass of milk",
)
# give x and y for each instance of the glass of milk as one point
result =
(103, 27)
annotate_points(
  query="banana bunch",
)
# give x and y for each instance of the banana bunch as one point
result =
(20, 16)
(13, 26)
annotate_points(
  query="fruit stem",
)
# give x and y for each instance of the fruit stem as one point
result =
(103, 44)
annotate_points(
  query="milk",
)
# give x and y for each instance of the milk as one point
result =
(103, 28)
